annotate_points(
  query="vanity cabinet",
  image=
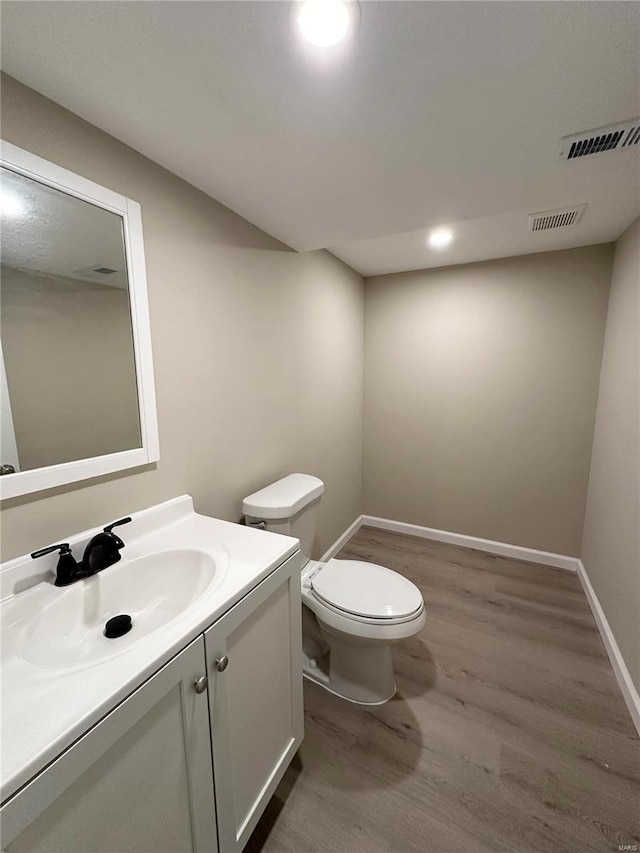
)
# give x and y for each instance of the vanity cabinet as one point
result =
(142, 779)
(254, 668)
(138, 781)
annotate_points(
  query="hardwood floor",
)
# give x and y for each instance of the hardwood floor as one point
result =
(508, 731)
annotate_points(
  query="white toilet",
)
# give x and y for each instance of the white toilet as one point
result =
(352, 611)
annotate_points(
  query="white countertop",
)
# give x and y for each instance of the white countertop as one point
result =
(45, 708)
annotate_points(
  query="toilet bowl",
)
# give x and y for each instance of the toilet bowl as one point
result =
(361, 610)
(353, 611)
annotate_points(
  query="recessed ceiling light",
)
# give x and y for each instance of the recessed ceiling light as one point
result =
(324, 22)
(10, 204)
(440, 238)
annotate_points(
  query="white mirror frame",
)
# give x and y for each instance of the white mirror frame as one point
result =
(37, 479)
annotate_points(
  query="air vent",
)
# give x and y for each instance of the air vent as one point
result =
(551, 219)
(602, 139)
(100, 273)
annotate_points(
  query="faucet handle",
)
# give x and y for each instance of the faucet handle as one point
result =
(109, 530)
(68, 569)
(63, 547)
(113, 524)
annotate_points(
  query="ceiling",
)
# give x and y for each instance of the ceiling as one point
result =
(430, 113)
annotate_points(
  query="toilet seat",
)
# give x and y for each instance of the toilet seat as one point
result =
(366, 592)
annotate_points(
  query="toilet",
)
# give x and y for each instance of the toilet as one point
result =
(352, 611)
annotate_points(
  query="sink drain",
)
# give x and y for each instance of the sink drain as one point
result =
(118, 626)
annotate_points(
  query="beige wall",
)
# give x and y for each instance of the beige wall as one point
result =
(611, 540)
(68, 353)
(258, 350)
(480, 395)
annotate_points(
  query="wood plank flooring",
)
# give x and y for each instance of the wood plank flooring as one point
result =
(508, 731)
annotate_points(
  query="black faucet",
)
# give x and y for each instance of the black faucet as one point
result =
(104, 549)
(101, 552)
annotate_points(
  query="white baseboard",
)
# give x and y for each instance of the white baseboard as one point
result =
(623, 677)
(342, 540)
(503, 549)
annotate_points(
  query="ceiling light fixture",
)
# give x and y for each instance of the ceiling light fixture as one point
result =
(324, 22)
(10, 204)
(440, 238)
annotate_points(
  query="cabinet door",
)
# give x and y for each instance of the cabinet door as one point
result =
(139, 781)
(255, 700)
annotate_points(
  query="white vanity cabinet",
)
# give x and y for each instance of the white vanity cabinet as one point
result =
(142, 779)
(255, 699)
(138, 781)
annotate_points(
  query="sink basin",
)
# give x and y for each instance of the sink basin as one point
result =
(153, 590)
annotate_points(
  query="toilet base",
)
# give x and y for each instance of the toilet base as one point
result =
(316, 678)
(361, 672)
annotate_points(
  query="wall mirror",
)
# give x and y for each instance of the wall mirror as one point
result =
(76, 371)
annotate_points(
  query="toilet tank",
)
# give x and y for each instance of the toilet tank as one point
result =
(289, 506)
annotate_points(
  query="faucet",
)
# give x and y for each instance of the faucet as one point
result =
(102, 551)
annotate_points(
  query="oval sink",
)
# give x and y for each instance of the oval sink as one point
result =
(153, 590)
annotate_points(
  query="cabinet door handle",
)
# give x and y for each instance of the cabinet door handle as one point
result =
(201, 684)
(222, 663)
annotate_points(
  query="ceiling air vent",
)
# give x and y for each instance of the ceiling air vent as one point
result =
(562, 218)
(602, 139)
(99, 272)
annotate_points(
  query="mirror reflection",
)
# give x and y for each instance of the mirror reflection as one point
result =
(68, 377)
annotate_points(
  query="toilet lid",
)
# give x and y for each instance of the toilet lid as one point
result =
(366, 589)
